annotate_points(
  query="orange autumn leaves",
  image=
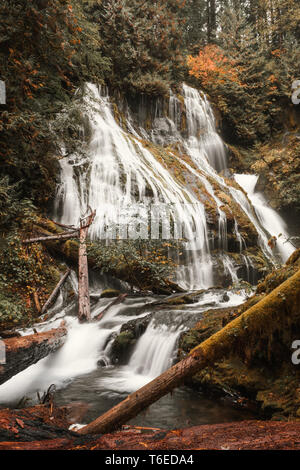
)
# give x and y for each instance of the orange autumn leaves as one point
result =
(212, 65)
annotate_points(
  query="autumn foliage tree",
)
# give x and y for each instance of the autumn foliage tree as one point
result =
(247, 76)
(211, 64)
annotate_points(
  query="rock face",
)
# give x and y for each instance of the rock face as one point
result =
(278, 164)
(264, 372)
(22, 352)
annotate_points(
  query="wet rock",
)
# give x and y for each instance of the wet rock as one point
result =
(125, 342)
(225, 298)
(101, 363)
(9, 334)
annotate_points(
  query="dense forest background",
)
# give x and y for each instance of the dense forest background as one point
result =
(244, 54)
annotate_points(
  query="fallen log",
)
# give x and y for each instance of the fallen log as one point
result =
(63, 236)
(22, 352)
(279, 309)
(54, 294)
(116, 301)
(9, 334)
(68, 227)
(84, 308)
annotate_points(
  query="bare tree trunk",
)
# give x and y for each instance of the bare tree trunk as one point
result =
(279, 308)
(84, 310)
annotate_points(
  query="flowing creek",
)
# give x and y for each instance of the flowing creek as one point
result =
(122, 171)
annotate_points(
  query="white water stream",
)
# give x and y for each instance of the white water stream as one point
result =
(120, 171)
(268, 217)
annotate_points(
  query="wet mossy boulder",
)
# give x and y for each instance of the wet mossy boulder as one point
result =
(124, 343)
(122, 347)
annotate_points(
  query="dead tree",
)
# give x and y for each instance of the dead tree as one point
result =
(62, 236)
(279, 308)
(84, 310)
(55, 292)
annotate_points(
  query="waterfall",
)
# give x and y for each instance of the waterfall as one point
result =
(203, 142)
(120, 173)
(117, 172)
(154, 351)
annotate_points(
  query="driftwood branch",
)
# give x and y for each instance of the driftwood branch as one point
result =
(54, 294)
(37, 302)
(280, 307)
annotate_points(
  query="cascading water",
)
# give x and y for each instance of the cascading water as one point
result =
(118, 172)
(269, 219)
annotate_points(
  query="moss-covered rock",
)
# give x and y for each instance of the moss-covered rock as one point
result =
(125, 342)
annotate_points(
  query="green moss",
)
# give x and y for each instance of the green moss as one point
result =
(110, 293)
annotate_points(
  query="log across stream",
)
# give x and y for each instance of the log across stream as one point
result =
(83, 369)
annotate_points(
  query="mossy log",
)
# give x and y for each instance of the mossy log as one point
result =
(278, 309)
(22, 352)
(69, 251)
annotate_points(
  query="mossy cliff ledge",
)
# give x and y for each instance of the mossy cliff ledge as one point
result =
(258, 364)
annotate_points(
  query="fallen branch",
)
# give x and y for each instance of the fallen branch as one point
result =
(275, 309)
(116, 301)
(55, 292)
(68, 227)
(22, 352)
(63, 236)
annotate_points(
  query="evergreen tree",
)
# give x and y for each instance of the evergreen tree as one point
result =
(143, 43)
(46, 52)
